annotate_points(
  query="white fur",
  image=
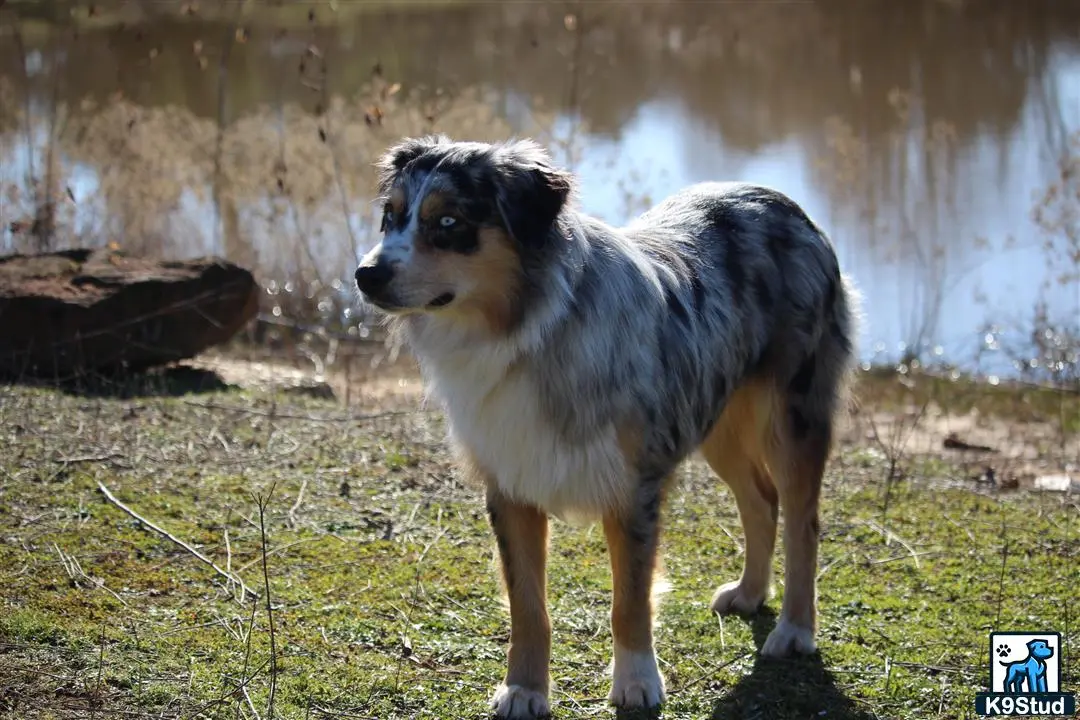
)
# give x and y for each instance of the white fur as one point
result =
(396, 248)
(504, 430)
(788, 636)
(495, 413)
(513, 702)
(730, 597)
(636, 679)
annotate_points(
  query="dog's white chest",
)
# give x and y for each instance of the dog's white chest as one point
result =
(498, 418)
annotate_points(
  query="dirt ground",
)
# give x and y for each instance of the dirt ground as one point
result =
(1018, 444)
(137, 517)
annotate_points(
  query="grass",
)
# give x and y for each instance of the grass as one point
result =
(375, 568)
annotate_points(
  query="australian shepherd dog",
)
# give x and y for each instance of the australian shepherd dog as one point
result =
(578, 364)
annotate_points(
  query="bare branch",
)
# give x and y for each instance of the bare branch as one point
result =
(232, 578)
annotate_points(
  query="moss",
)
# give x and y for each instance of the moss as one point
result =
(30, 625)
(384, 595)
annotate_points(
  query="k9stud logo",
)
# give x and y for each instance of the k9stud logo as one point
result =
(1025, 677)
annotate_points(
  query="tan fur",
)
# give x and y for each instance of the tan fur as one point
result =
(754, 452)
(798, 468)
(434, 205)
(493, 305)
(522, 534)
(632, 570)
(397, 200)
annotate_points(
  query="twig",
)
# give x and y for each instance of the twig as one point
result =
(890, 535)
(1004, 561)
(188, 628)
(711, 672)
(1066, 654)
(222, 117)
(247, 651)
(275, 551)
(197, 713)
(831, 565)
(441, 531)
(176, 541)
(88, 458)
(893, 558)
(262, 502)
(228, 555)
(296, 505)
(310, 418)
(74, 571)
(101, 663)
(251, 705)
(33, 670)
(933, 668)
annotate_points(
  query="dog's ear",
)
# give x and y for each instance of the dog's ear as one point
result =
(530, 191)
(397, 157)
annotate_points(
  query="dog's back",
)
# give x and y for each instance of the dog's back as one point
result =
(717, 285)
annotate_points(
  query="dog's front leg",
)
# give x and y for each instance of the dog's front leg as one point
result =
(1036, 679)
(522, 535)
(632, 538)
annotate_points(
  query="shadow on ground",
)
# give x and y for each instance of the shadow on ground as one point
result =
(173, 381)
(798, 687)
(789, 689)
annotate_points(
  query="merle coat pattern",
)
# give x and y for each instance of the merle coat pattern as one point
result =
(580, 363)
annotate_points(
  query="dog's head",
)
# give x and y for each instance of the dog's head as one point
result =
(462, 224)
(1040, 649)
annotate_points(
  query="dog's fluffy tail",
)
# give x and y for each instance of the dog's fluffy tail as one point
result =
(824, 391)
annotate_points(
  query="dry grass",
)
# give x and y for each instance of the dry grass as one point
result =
(372, 564)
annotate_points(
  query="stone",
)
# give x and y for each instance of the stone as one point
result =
(1058, 482)
(69, 313)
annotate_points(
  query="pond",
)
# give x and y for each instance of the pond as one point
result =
(935, 140)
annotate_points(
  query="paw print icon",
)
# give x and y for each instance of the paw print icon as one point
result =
(1003, 650)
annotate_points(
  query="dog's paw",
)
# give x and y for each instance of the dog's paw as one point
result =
(788, 638)
(732, 598)
(513, 702)
(636, 680)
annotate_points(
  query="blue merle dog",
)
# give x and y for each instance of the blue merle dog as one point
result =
(579, 364)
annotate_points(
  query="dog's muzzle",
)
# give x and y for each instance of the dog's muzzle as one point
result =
(372, 279)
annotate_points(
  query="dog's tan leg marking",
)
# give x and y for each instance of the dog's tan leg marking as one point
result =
(734, 451)
(756, 499)
(522, 535)
(632, 544)
(798, 466)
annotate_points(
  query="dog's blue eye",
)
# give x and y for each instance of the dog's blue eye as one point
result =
(447, 221)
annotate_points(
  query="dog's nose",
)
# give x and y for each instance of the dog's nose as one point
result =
(373, 278)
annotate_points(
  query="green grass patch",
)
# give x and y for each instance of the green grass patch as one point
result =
(382, 583)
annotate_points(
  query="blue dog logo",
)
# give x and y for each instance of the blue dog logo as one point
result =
(1029, 687)
(1031, 670)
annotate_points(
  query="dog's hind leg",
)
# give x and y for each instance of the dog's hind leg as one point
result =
(797, 453)
(808, 394)
(798, 463)
(733, 452)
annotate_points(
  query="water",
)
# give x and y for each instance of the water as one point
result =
(921, 137)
